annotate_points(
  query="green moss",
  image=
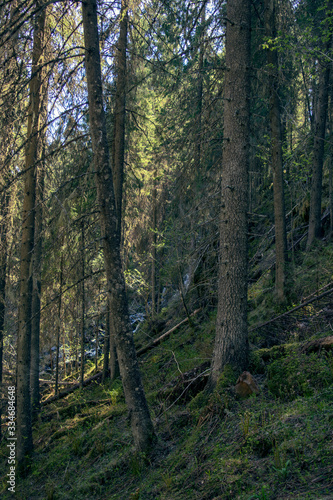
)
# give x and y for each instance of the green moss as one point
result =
(226, 379)
(298, 375)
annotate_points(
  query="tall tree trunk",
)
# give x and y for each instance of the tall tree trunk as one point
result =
(276, 158)
(154, 250)
(118, 153)
(106, 346)
(83, 303)
(59, 326)
(24, 428)
(114, 365)
(38, 247)
(231, 342)
(318, 152)
(141, 424)
(199, 99)
(36, 296)
(8, 61)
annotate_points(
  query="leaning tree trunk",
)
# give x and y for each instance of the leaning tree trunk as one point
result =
(24, 427)
(276, 152)
(142, 428)
(231, 342)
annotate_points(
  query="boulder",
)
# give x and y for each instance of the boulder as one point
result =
(246, 385)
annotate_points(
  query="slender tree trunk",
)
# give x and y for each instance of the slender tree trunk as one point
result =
(276, 152)
(154, 251)
(24, 428)
(83, 303)
(106, 346)
(231, 342)
(96, 352)
(59, 328)
(318, 154)
(200, 98)
(118, 153)
(114, 365)
(141, 424)
(38, 248)
(36, 297)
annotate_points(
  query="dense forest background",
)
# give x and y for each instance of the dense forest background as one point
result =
(166, 222)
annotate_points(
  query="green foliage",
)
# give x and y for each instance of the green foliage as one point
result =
(299, 374)
(226, 379)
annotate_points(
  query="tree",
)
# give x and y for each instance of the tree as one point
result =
(276, 154)
(320, 116)
(231, 342)
(141, 424)
(24, 428)
(38, 254)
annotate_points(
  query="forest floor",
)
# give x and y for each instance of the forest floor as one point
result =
(274, 445)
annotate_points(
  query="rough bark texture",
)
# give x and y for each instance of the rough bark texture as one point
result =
(276, 152)
(36, 298)
(7, 119)
(141, 424)
(56, 386)
(83, 303)
(24, 429)
(318, 155)
(106, 348)
(38, 251)
(119, 115)
(231, 343)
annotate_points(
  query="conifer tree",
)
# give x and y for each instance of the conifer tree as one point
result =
(141, 424)
(231, 342)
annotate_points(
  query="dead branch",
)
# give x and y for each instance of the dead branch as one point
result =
(166, 334)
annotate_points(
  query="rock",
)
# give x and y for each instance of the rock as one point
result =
(246, 385)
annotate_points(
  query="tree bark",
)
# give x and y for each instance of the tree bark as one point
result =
(36, 297)
(24, 427)
(231, 342)
(106, 346)
(83, 303)
(141, 424)
(318, 153)
(119, 115)
(281, 251)
(56, 389)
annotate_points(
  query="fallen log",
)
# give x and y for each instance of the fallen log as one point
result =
(291, 311)
(98, 375)
(73, 409)
(157, 341)
(53, 382)
(325, 343)
(71, 389)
